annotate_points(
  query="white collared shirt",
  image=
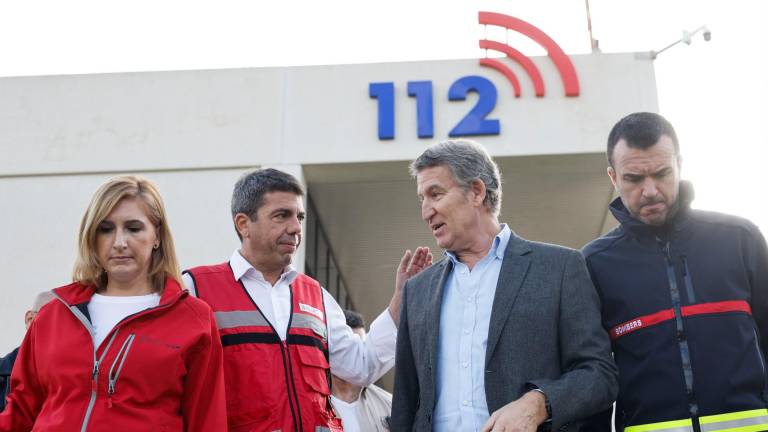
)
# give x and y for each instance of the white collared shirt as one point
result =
(352, 359)
(106, 311)
(465, 317)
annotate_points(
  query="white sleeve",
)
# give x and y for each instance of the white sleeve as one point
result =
(352, 359)
(188, 282)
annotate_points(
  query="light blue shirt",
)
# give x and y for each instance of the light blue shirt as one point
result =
(464, 319)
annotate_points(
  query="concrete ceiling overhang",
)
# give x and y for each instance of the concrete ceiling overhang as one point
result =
(371, 213)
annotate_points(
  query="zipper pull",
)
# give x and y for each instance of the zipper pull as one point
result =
(94, 375)
(110, 392)
(664, 245)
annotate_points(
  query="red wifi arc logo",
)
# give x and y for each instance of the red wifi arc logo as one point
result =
(554, 52)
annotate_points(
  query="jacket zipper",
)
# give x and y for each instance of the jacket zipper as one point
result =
(687, 279)
(95, 381)
(685, 353)
(121, 355)
(96, 365)
(97, 362)
(290, 365)
(283, 353)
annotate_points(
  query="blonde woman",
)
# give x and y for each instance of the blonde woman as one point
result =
(124, 347)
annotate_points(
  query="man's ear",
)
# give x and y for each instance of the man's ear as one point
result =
(242, 223)
(612, 175)
(477, 188)
(28, 317)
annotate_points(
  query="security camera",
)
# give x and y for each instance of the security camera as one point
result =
(686, 39)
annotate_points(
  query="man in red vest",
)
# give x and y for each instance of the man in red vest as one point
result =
(281, 331)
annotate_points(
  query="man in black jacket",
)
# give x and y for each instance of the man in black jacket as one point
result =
(6, 363)
(684, 295)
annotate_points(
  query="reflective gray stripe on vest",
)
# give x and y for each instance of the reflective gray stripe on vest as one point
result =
(231, 319)
(322, 429)
(309, 322)
(734, 425)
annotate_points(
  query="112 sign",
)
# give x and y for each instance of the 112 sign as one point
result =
(474, 122)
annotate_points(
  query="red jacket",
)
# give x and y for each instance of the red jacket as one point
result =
(157, 370)
(272, 384)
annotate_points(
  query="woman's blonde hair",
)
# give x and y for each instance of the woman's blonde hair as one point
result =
(163, 263)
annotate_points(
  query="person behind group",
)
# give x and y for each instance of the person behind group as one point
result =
(123, 347)
(6, 363)
(503, 333)
(281, 331)
(684, 294)
(361, 409)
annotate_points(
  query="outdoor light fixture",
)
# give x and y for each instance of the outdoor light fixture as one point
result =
(687, 39)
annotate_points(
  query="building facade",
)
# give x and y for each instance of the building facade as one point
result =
(347, 131)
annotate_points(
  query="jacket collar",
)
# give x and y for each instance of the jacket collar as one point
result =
(437, 280)
(628, 222)
(513, 270)
(77, 293)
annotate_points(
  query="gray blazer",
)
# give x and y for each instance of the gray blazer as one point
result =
(545, 331)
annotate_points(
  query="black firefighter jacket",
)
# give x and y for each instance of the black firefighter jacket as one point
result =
(686, 306)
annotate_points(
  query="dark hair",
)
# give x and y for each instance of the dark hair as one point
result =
(468, 161)
(354, 319)
(640, 130)
(249, 191)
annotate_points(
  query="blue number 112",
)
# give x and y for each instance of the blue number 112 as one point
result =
(474, 122)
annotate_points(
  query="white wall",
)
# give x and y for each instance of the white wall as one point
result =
(41, 215)
(195, 132)
(223, 118)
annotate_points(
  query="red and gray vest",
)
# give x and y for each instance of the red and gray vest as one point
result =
(271, 384)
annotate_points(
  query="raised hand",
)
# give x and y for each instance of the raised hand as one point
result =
(410, 265)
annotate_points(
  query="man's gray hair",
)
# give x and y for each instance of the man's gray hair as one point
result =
(468, 161)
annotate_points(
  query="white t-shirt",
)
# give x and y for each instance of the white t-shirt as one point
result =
(348, 413)
(106, 311)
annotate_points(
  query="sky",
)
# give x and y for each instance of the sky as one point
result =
(714, 92)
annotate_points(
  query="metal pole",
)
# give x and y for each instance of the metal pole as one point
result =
(316, 221)
(592, 42)
(327, 263)
(338, 282)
